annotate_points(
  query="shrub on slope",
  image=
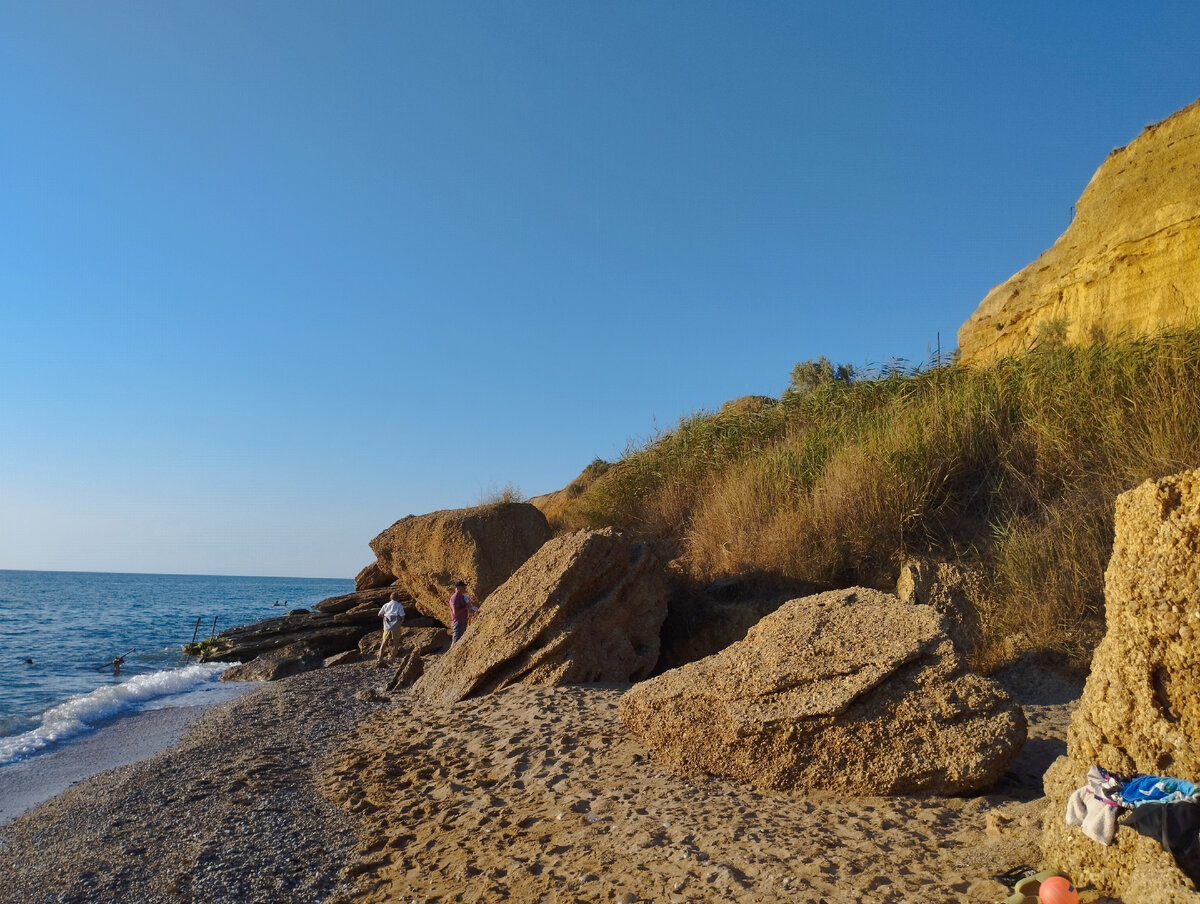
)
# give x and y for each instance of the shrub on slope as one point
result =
(1014, 467)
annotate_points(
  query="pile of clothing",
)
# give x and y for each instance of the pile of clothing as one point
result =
(1159, 807)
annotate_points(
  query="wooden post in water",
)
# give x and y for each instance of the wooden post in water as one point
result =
(197, 631)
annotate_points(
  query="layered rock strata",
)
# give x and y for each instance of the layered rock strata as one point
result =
(339, 625)
(587, 607)
(850, 691)
(1140, 709)
(1129, 263)
(280, 662)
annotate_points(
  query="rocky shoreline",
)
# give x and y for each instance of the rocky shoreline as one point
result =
(833, 752)
(322, 788)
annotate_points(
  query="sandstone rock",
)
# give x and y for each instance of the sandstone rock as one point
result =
(373, 577)
(411, 669)
(345, 658)
(328, 633)
(947, 587)
(361, 600)
(849, 690)
(482, 546)
(1127, 264)
(277, 663)
(1140, 709)
(587, 607)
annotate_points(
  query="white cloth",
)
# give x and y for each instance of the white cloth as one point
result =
(1097, 819)
(392, 614)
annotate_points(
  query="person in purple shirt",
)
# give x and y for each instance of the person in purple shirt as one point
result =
(460, 611)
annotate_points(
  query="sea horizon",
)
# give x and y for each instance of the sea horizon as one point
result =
(172, 574)
(60, 632)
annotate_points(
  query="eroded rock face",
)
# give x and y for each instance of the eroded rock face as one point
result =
(849, 691)
(587, 607)
(482, 546)
(947, 587)
(1126, 265)
(1140, 709)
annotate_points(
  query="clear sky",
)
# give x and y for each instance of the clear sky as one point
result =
(275, 274)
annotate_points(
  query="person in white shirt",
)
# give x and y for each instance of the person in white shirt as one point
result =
(392, 614)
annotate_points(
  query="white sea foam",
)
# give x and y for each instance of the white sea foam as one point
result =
(80, 714)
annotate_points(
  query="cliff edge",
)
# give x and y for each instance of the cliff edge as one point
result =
(1129, 263)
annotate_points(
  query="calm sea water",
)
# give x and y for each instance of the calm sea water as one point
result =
(60, 631)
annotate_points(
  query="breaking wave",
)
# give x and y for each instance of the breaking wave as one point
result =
(80, 714)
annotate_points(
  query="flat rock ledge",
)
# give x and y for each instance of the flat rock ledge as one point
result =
(849, 691)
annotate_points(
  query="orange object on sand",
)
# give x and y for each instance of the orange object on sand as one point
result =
(1057, 890)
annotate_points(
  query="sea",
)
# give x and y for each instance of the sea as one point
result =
(61, 631)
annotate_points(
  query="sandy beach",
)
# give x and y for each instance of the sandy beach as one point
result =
(321, 788)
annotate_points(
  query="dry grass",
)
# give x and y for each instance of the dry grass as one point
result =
(1014, 468)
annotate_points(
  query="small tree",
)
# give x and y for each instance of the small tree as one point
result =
(808, 375)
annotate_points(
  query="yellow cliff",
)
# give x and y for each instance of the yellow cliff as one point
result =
(1128, 265)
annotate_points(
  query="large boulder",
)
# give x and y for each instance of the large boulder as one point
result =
(588, 607)
(482, 546)
(1140, 709)
(1125, 266)
(950, 589)
(373, 578)
(849, 690)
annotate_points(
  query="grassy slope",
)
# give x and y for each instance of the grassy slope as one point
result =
(1013, 468)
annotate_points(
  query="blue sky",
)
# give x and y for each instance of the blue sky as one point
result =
(273, 275)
